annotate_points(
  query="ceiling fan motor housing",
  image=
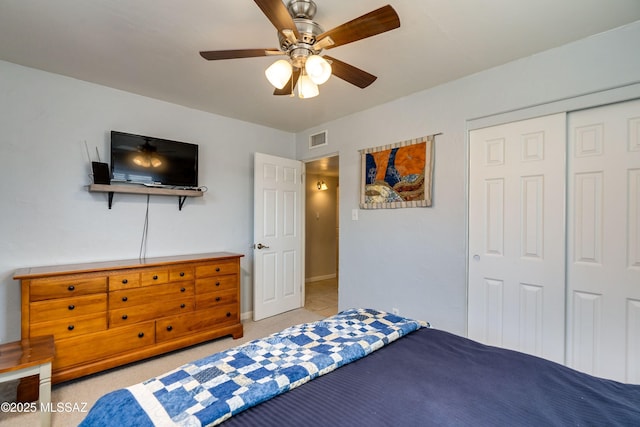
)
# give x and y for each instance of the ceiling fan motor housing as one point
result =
(299, 51)
(302, 12)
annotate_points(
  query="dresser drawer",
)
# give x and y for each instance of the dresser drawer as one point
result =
(216, 284)
(126, 280)
(216, 299)
(60, 308)
(177, 274)
(65, 287)
(176, 326)
(154, 277)
(141, 313)
(217, 268)
(103, 344)
(150, 295)
(72, 327)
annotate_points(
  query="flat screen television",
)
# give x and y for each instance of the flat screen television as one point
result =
(153, 161)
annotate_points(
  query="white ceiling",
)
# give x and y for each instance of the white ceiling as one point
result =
(150, 47)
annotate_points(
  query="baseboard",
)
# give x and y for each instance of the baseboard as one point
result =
(247, 315)
(319, 278)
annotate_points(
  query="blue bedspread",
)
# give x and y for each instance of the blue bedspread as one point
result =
(212, 389)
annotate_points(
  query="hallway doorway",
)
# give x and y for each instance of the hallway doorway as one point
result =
(322, 231)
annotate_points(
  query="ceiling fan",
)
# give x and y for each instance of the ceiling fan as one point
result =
(302, 40)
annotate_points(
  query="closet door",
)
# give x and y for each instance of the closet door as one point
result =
(603, 265)
(516, 220)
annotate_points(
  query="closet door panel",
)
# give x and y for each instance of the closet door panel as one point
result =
(603, 262)
(516, 236)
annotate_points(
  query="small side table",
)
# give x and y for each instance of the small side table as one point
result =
(32, 356)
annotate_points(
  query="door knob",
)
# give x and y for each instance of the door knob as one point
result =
(261, 246)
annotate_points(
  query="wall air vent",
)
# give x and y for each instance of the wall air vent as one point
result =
(318, 139)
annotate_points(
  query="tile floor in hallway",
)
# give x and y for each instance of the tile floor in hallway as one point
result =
(322, 297)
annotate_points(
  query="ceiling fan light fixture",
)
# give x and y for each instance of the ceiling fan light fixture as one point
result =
(279, 73)
(307, 88)
(318, 69)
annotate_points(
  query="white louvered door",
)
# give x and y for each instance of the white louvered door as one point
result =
(603, 262)
(516, 288)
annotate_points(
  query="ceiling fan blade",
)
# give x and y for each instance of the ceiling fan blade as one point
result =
(288, 88)
(213, 55)
(370, 24)
(349, 73)
(278, 14)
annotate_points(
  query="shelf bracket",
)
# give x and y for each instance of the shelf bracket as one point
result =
(181, 200)
(110, 199)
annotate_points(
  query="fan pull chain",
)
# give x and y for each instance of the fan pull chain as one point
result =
(291, 95)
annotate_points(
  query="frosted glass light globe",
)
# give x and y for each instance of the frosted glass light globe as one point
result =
(318, 69)
(279, 73)
(307, 88)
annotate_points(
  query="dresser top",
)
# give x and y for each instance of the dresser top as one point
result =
(55, 270)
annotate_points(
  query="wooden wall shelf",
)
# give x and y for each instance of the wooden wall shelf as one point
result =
(141, 189)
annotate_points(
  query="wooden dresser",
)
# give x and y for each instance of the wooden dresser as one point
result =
(107, 314)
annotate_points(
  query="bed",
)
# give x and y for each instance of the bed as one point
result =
(367, 367)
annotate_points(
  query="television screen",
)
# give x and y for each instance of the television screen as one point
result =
(148, 160)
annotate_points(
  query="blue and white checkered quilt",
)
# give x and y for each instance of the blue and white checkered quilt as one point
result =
(212, 389)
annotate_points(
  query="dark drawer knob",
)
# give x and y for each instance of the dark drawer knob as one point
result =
(217, 283)
(217, 269)
(169, 328)
(228, 314)
(125, 317)
(183, 305)
(71, 288)
(182, 274)
(125, 299)
(125, 281)
(140, 334)
(183, 289)
(155, 277)
(71, 307)
(70, 327)
(218, 299)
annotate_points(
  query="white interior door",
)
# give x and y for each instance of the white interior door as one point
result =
(516, 221)
(278, 239)
(604, 242)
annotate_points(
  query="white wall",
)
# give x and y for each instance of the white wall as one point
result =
(415, 259)
(48, 217)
